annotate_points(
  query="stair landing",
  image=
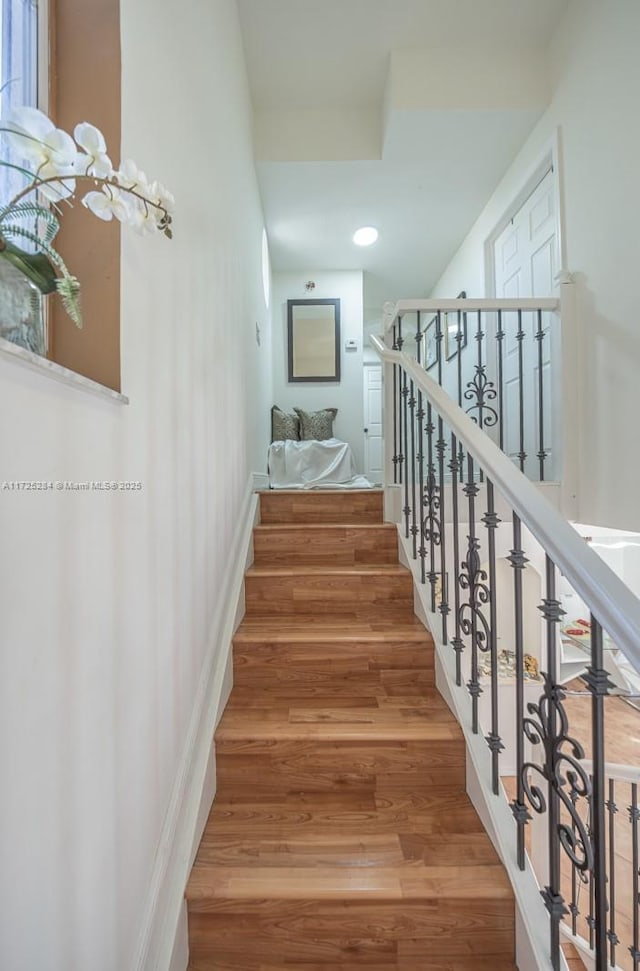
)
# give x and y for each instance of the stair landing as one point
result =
(341, 835)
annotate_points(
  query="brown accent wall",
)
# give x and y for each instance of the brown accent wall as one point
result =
(85, 86)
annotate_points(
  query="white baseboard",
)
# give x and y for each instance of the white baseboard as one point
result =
(260, 480)
(163, 944)
(532, 919)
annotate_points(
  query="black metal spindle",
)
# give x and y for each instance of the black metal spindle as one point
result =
(491, 521)
(459, 338)
(395, 410)
(441, 449)
(541, 450)
(612, 810)
(401, 454)
(456, 643)
(518, 561)
(552, 612)
(412, 415)
(634, 817)
(472, 578)
(573, 904)
(431, 504)
(522, 455)
(500, 335)
(422, 550)
(591, 921)
(405, 427)
(598, 683)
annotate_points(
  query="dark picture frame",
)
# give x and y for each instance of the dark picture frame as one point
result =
(455, 330)
(313, 340)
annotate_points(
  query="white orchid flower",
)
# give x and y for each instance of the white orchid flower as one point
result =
(96, 161)
(145, 218)
(50, 150)
(129, 176)
(107, 204)
(160, 194)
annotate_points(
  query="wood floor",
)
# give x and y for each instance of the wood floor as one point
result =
(341, 835)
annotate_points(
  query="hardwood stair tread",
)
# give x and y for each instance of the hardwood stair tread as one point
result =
(390, 528)
(284, 629)
(348, 883)
(340, 569)
(229, 962)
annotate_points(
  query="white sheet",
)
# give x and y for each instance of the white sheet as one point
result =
(313, 465)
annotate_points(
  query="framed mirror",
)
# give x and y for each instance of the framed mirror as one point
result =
(313, 329)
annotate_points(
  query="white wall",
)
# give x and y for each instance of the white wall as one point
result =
(596, 75)
(347, 395)
(107, 599)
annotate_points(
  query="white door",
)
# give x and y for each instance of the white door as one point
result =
(526, 263)
(373, 423)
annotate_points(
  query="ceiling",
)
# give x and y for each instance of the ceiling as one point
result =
(403, 114)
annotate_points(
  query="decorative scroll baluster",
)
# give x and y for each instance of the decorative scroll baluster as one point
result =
(441, 448)
(522, 455)
(634, 817)
(473, 578)
(575, 874)
(405, 450)
(422, 550)
(412, 413)
(599, 684)
(480, 390)
(396, 410)
(491, 520)
(401, 378)
(612, 809)
(518, 561)
(547, 724)
(431, 505)
(500, 336)
(459, 338)
(456, 642)
(541, 450)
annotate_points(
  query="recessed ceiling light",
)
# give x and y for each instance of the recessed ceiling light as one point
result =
(365, 236)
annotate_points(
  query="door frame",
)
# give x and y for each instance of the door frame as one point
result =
(365, 366)
(549, 158)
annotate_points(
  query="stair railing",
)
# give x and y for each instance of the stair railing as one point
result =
(466, 511)
(510, 365)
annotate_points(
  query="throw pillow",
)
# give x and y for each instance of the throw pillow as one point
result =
(316, 425)
(284, 427)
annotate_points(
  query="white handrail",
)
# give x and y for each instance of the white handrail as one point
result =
(487, 304)
(612, 603)
(612, 770)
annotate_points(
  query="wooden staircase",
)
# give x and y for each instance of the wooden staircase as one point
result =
(341, 835)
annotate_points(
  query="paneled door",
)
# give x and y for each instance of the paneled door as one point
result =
(526, 263)
(372, 385)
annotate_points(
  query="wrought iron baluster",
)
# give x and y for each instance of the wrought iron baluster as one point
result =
(612, 809)
(573, 904)
(420, 428)
(480, 390)
(598, 684)
(456, 643)
(396, 410)
(491, 521)
(412, 413)
(634, 817)
(441, 448)
(500, 336)
(473, 578)
(459, 338)
(541, 450)
(431, 507)
(401, 454)
(522, 455)
(547, 724)
(405, 450)
(518, 561)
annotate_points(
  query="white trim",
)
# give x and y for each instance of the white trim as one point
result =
(612, 770)
(161, 941)
(550, 158)
(610, 600)
(260, 481)
(20, 355)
